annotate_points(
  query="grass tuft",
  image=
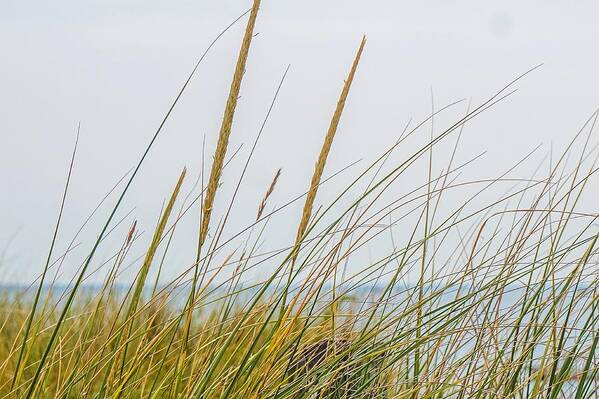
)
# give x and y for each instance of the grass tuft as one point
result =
(444, 287)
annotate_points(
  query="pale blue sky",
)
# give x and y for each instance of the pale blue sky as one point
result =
(116, 65)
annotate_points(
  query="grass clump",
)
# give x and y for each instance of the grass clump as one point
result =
(474, 298)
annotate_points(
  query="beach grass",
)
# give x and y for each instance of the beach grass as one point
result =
(471, 298)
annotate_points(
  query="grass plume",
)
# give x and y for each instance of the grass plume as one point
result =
(226, 125)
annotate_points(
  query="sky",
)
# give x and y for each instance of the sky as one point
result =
(115, 67)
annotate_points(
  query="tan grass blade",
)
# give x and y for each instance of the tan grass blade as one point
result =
(215, 173)
(227, 123)
(324, 153)
(271, 188)
(155, 241)
(143, 273)
(318, 170)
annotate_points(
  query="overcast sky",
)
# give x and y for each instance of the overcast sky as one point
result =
(115, 66)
